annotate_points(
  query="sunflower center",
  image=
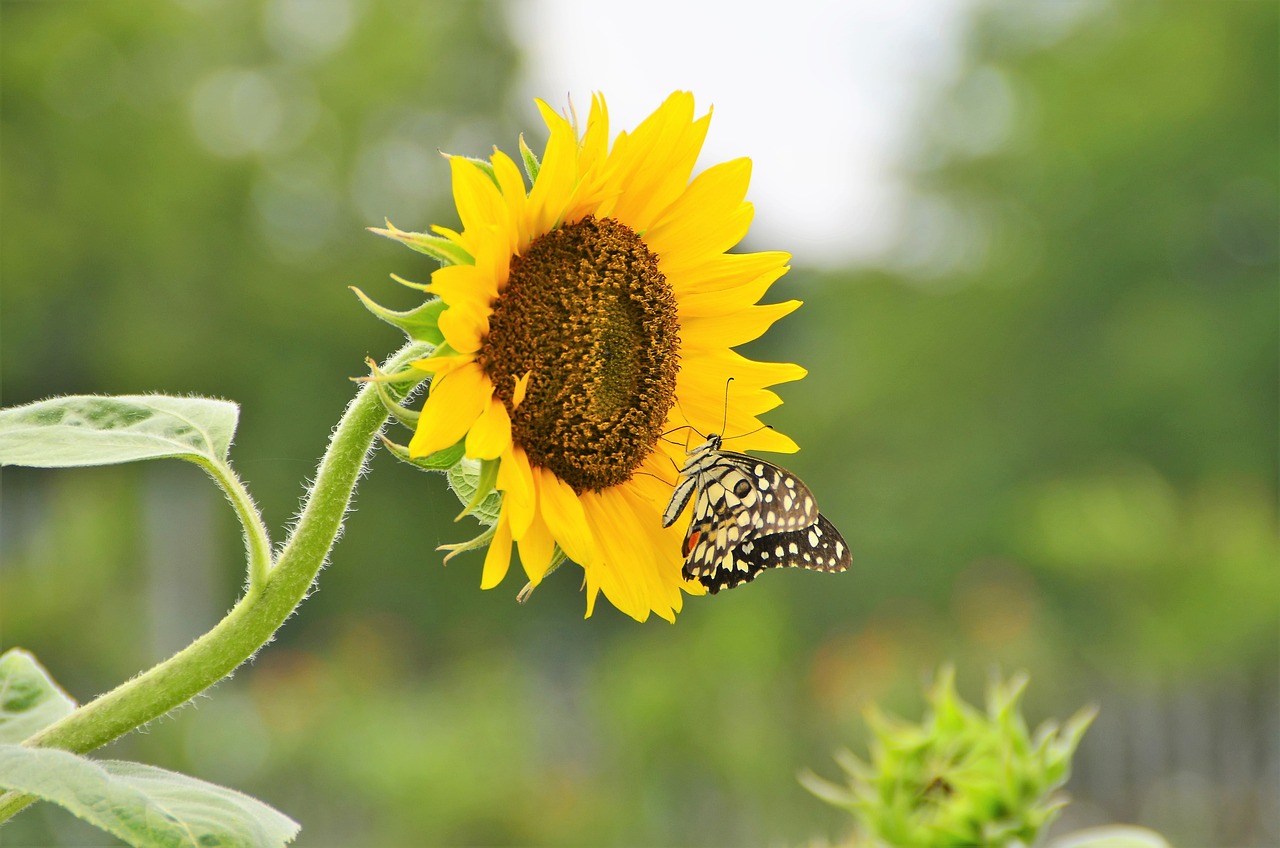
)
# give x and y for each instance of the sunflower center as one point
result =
(589, 317)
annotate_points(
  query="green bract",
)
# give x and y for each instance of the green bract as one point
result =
(961, 777)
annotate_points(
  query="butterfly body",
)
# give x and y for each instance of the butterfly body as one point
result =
(748, 515)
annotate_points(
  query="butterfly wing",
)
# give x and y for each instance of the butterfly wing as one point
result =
(819, 547)
(775, 499)
(739, 498)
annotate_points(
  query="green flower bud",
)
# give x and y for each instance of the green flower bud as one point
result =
(961, 777)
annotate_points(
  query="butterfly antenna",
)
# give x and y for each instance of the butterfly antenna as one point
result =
(748, 433)
(724, 422)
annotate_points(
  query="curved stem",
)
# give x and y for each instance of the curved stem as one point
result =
(257, 541)
(256, 616)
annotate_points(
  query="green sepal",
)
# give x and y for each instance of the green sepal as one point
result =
(485, 537)
(406, 377)
(558, 558)
(439, 248)
(531, 164)
(392, 389)
(469, 476)
(422, 287)
(441, 460)
(420, 324)
(406, 417)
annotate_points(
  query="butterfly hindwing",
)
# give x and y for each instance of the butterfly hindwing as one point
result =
(749, 515)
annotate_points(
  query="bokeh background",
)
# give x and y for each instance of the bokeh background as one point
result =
(1038, 245)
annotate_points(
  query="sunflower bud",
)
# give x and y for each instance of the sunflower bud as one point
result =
(960, 776)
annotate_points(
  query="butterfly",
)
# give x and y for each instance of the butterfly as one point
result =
(749, 515)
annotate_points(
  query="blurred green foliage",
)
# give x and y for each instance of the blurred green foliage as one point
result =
(1048, 426)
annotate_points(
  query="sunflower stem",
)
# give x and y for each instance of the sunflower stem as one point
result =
(253, 621)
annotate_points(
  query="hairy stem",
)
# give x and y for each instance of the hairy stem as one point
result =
(270, 599)
(257, 541)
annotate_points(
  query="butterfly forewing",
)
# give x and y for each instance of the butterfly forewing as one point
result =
(748, 515)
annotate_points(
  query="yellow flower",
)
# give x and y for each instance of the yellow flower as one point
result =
(597, 314)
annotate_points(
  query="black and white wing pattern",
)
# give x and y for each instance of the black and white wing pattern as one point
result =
(749, 515)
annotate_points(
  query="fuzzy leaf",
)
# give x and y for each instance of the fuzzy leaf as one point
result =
(147, 807)
(29, 699)
(104, 430)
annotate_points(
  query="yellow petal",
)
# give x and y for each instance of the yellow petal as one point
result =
(498, 558)
(700, 296)
(592, 587)
(464, 329)
(654, 162)
(666, 542)
(536, 547)
(726, 272)
(660, 567)
(522, 387)
(491, 434)
(455, 402)
(617, 571)
(710, 368)
(463, 285)
(560, 507)
(733, 328)
(709, 217)
(515, 479)
(441, 365)
(770, 440)
(595, 141)
(478, 199)
(557, 174)
(706, 406)
(514, 197)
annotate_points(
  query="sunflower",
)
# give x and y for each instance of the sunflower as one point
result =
(589, 323)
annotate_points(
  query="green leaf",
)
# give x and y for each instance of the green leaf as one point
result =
(103, 430)
(29, 699)
(145, 806)
(468, 476)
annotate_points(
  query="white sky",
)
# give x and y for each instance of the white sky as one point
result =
(821, 96)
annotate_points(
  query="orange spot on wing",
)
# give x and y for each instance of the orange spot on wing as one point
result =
(690, 541)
